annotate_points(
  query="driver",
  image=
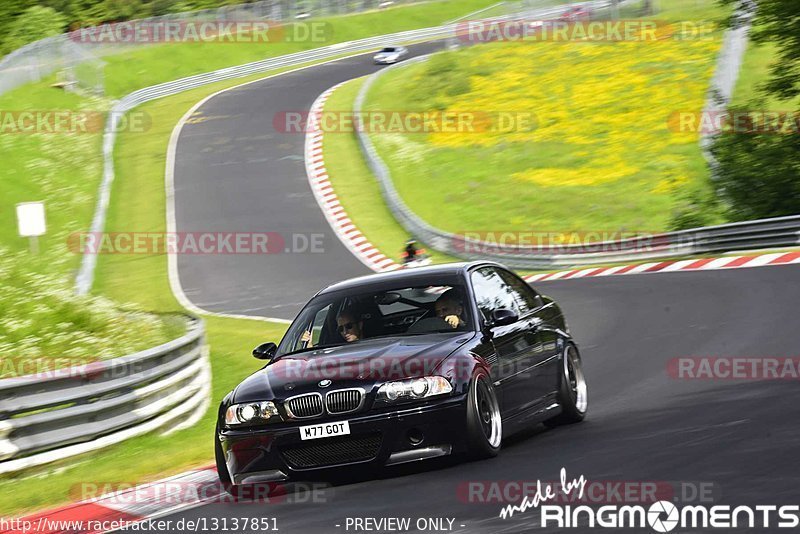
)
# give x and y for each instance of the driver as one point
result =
(346, 324)
(350, 328)
(450, 307)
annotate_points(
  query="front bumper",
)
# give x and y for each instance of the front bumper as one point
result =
(405, 434)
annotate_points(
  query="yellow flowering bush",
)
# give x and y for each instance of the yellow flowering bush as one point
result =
(601, 130)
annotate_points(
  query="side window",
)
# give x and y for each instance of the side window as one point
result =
(319, 322)
(491, 292)
(315, 327)
(528, 299)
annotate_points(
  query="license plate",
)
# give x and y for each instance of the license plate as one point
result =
(324, 430)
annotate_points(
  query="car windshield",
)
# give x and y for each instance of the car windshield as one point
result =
(388, 49)
(337, 318)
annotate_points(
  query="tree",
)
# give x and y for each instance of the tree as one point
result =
(33, 24)
(9, 11)
(758, 173)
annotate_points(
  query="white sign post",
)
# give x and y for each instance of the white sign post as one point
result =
(31, 222)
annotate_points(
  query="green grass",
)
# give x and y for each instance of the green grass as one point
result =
(44, 326)
(595, 120)
(63, 170)
(138, 204)
(758, 59)
(357, 189)
(41, 320)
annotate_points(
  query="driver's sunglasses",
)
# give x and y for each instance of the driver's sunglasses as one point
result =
(346, 326)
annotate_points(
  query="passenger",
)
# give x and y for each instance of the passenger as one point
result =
(450, 307)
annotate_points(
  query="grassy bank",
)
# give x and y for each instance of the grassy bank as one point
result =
(755, 71)
(43, 326)
(600, 156)
(599, 153)
(138, 205)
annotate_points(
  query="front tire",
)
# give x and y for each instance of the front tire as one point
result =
(484, 422)
(573, 395)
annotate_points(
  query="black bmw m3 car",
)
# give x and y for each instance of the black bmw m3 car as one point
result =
(400, 367)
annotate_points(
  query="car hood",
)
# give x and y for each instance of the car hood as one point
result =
(365, 364)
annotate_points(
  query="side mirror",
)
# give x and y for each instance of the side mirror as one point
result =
(265, 351)
(502, 317)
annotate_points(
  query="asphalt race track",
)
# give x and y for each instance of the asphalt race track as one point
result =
(235, 173)
(736, 438)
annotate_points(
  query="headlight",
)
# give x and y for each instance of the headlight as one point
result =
(254, 412)
(416, 388)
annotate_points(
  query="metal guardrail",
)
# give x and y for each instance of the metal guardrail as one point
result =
(759, 234)
(61, 413)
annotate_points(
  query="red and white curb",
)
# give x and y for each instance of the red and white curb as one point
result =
(116, 510)
(704, 264)
(326, 197)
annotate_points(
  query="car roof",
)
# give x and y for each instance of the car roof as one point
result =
(413, 275)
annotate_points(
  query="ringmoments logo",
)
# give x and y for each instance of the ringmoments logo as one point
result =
(661, 516)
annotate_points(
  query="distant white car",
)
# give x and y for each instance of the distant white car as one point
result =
(390, 54)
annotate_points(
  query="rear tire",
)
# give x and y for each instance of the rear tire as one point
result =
(573, 395)
(484, 423)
